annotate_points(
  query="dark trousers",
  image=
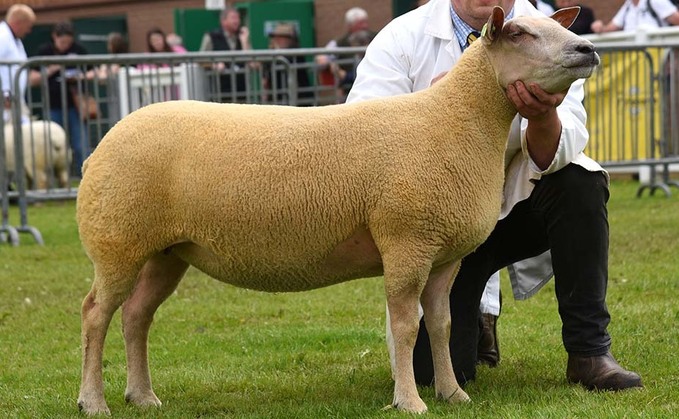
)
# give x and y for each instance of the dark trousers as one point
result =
(566, 213)
(226, 88)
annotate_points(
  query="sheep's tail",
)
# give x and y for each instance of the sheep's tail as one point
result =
(57, 148)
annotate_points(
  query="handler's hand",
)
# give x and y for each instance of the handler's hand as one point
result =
(532, 102)
(544, 126)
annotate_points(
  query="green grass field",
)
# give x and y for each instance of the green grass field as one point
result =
(219, 351)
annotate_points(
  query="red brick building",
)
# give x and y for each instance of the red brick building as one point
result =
(137, 16)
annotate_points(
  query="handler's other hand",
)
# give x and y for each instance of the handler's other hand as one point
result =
(597, 26)
(532, 102)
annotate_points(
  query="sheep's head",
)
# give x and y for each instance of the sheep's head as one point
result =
(538, 50)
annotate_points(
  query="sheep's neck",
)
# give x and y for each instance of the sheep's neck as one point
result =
(473, 83)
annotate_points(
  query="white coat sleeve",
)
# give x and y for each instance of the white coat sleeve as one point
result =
(574, 135)
(618, 19)
(384, 71)
(5, 74)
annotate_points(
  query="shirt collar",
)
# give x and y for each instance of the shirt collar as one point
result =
(462, 29)
(10, 30)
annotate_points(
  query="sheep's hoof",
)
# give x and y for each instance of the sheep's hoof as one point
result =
(143, 400)
(458, 396)
(415, 405)
(91, 409)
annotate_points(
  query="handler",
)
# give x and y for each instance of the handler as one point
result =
(554, 196)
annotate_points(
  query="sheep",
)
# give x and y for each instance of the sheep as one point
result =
(45, 150)
(277, 198)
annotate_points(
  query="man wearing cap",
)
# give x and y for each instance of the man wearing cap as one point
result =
(284, 36)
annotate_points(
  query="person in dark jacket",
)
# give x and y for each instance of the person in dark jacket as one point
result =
(583, 24)
(63, 99)
(230, 36)
(358, 34)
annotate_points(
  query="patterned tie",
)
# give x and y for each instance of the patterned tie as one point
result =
(473, 36)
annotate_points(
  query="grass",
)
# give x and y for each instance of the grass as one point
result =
(220, 351)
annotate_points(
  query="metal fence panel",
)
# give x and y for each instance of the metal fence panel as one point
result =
(54, 139)
(631, 101)
(632, 105)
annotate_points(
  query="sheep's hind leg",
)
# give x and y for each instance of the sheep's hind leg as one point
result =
(40, 182)
(403, 288)
(157, 281)
(106, 295)
(436, 307)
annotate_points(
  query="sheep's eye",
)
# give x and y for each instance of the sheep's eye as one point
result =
(521, 35)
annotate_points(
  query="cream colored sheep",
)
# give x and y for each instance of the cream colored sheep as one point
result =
(289, 199)
(45, 150)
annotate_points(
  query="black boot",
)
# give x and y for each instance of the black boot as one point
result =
(488, 350)
(600, 373)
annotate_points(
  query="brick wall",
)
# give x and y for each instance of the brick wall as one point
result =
(604, 10)
(330, 16)
(141, 15)
(144, 14)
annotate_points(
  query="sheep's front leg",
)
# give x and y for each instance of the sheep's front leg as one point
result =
(157, 281)
(436, 306)
(404, 325)
(403, 292)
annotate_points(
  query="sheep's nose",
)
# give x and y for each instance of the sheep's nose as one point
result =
(584, 48)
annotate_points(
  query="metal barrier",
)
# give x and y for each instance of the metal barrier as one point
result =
(632, 105)
(8, 149)
(7, 232)
(631, 100)
(115, 85)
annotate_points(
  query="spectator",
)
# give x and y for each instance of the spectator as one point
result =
(347, 73)
(554, 196)
(284, 36)
(156, 41)
(583, 24)
(17, 24)
(63, 44)
(231, 36)
(635, 14)
(175, 42)
(115, 44)
(356, 20)
(545, 8)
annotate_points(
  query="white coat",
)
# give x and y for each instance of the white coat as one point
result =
(11, 49)
(412, 50)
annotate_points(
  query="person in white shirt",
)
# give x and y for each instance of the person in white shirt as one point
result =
(545, 8)
(635, 14)
(554, 197)
(17, 24)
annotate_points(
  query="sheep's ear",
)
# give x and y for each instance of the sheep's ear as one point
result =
(566, 17)
(491, 30)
